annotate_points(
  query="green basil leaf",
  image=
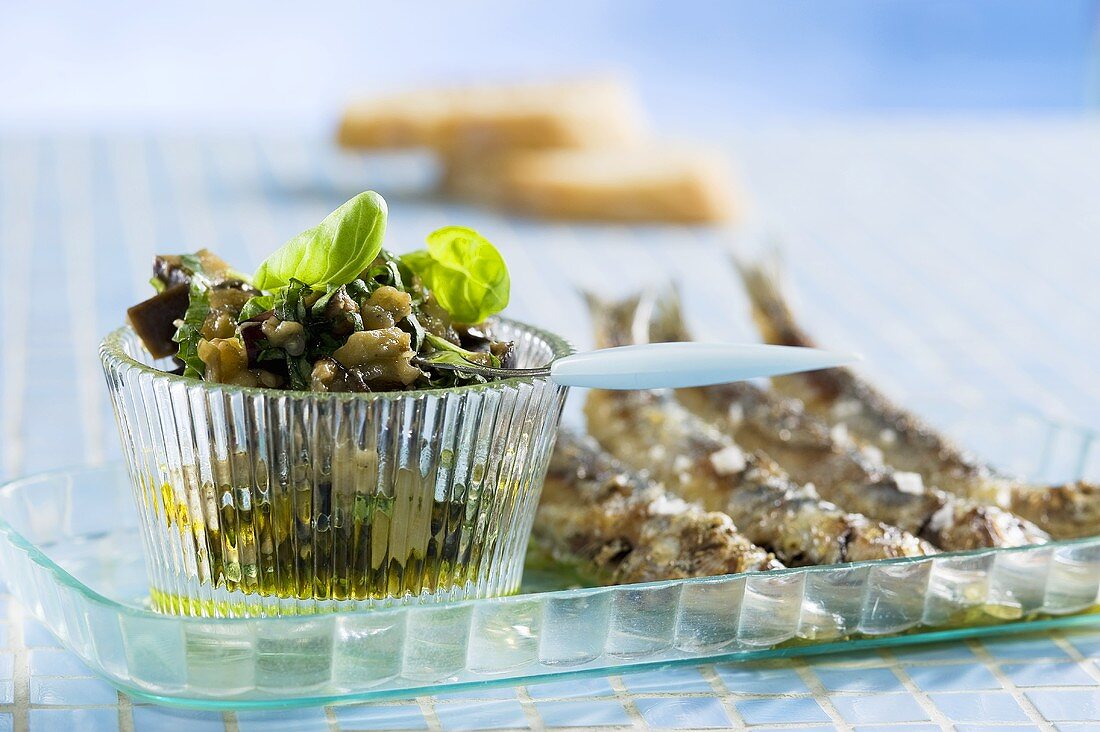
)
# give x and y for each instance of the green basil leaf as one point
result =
(189, 330)
(332, 253)
(464, 271)
(419, 262)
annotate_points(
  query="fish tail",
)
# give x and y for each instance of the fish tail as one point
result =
(770, 310)
(665, 316)
(650, 316)
(615, 322)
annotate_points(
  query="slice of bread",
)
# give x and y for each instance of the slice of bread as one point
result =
(579, 113)
(612, 184)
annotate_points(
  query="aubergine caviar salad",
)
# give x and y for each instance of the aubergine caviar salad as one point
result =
(332, 311)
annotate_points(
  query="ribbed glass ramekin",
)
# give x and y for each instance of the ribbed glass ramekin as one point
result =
(273, 502)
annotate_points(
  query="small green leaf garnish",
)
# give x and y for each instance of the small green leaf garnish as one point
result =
(464, 271)
(332, 253)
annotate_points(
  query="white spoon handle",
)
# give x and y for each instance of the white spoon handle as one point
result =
(677, 365)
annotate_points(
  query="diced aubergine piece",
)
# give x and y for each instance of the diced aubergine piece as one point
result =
(473, 338)
(505, 351)
(154, 320)
(476, 338)
(252, 335)
(169, 269)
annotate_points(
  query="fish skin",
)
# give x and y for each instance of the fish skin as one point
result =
(620, 526)
(810, 452)
(840, 396)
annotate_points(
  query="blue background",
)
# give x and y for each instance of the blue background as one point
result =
(702, 66)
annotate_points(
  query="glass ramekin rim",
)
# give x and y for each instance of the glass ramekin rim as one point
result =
(111, 352)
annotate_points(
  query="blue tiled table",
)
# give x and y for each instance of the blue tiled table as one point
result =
(960, 257)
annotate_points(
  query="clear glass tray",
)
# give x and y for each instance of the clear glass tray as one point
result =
(70, 550)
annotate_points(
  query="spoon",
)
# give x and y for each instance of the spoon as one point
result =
(669, 365)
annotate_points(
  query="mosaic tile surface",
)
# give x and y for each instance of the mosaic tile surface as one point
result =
(876, 215)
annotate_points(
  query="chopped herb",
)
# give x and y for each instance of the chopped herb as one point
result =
(189, 330)
(298, 368)
(255, 306)
(289, 304)
(319, 306)
(445, 346)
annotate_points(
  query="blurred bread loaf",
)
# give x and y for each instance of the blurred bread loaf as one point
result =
(618, 184)
(574, 149)
(579, 113)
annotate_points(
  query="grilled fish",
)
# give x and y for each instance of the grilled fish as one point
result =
(651, 431)
(810, 452)
(622, 527)
(843, 399)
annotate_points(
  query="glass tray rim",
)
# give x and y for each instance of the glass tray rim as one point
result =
(131, 682)
(1082, 620)
(64, 577)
